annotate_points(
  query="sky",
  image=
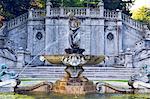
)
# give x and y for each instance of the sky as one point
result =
(139, 3)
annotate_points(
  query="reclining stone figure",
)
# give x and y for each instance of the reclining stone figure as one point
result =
(142, 79)
(7, 78)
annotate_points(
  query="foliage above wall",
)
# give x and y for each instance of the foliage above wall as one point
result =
(142, 14)
(13, 8)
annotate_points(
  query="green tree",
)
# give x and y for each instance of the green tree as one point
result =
(123, 5)
(12, 8)
(142, 14)
(37, 3)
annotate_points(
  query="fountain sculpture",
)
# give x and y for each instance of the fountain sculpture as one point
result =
(142, 79)
(8, 80)
(74, 82)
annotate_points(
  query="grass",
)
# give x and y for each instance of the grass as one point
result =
(112, 80)
(36, 79)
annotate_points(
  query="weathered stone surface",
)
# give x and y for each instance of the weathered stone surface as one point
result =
(46, 32)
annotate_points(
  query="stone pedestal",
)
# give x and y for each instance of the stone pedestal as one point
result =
(128, 59)
(22, 58)
(74, 86)
(74, 82)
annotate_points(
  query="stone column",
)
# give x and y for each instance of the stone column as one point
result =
(119, 30)
(101, 8)
(30, 16)
(128, 58)
(61, 11)
(30, 30)
(88, 12)
(48, 28)
(22, 58)
(48, 8)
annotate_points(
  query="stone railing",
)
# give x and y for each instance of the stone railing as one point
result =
(38, 14)
(95, 12)
(110, 14)
(17, 21)
(79, 12)
(55, 12)
(135, 24)
(76, 11)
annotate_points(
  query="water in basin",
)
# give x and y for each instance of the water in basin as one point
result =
(60, 96)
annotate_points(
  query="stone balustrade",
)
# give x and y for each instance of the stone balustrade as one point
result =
(135, 24)
(110, 14)
(76, 11)
(38, 14)
(17, 21)
(79, 12)
(54, 12)
(64, 11)
(82, 12)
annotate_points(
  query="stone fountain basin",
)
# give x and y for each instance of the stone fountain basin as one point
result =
(91, 59)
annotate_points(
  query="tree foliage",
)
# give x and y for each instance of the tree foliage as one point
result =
(123, 5)
(13, 8)
(142, 14)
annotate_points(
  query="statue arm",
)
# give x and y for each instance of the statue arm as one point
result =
(2, 73)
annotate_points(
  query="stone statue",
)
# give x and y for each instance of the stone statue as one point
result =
(74, 37)
(74, 25)
(8, 78)
(140, 79)
(4, 71)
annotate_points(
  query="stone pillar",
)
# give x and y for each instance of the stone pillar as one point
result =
(48, 8)
(147, 32)
(49, 29)
(119, 31)
(61, 11)
(30, 30)
(88, 12)
(30, 16)
(101, 8)
(22, 58)
(128, 58)
(119, 14)
(2, 36)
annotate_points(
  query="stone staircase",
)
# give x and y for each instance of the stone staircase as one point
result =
(54, 73)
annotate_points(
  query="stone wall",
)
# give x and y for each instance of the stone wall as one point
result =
(17, 37)
(102, 32)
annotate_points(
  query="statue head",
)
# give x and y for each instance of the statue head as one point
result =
(12, 73)
(70, 14)
(4, 66)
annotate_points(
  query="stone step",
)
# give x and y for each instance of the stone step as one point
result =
(86, 70)
(93, 73)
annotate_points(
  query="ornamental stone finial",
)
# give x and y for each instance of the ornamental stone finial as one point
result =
(48, 3)
(101, 3)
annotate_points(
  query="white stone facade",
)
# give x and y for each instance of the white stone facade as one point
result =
(102, 32)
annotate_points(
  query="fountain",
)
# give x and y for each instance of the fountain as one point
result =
(73, 82)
